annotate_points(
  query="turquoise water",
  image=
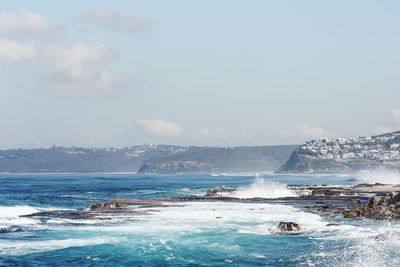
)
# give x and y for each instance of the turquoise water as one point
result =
(192, 234)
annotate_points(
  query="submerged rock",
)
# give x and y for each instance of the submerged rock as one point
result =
(217, 191)
(64, 214)
(289, 227)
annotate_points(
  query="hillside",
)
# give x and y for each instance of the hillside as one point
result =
(130, 159)
(78, 159)
(218, 159)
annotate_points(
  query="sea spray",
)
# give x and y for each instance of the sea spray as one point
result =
(380, 175)
(261, 188)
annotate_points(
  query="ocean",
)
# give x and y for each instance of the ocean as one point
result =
(188, 234)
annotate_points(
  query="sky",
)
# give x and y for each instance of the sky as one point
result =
(227, 72)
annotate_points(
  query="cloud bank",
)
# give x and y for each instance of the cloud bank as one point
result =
(28, 24)
(116, 20)
(58, 67)
(160, 128)
(305, 131)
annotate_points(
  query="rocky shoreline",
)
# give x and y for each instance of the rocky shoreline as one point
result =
(370, 201)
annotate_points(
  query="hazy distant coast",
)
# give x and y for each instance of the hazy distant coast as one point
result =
(145, 158)
(321, 156)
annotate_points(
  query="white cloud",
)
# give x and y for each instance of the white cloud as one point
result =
(74, 72)
(160, 128)
(11, 50)
(116, 20)
(28, 24)
(216, 132)
(304, 131)
(75, 69)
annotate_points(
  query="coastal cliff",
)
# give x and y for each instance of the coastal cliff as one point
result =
(345, 155)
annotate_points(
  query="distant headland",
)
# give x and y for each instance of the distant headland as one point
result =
(345, 155)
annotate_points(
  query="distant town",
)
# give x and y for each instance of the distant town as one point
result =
(381, 148)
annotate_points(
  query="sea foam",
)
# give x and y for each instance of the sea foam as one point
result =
(10, 215)
(13, 247)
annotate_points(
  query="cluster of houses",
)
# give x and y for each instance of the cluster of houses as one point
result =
(130, 151)
(383, 148)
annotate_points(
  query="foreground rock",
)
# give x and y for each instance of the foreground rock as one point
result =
(289, 227)
(379, 207)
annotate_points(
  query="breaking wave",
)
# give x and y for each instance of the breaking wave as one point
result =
(10, 215)
(261, 188)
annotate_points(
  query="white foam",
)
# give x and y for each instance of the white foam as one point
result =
(241, 174)
(261, 188)
(13, 247)
(362, 248)
(10, 215)
(196, 217)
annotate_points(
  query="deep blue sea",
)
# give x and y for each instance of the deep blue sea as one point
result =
(193, 234)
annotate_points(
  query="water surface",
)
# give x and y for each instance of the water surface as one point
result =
(195, 234)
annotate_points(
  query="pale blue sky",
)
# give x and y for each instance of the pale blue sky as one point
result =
(125, 72)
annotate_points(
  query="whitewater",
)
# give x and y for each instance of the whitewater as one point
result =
(191, 233)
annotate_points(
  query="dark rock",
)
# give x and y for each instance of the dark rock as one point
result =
(289, 227)
(350, 214)
(65, 214)
(322, 192)
(118, 203)
(96, 206)
(395, 198)
(374, 201)
(333, 224)
(386, 207)
(218, 190)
